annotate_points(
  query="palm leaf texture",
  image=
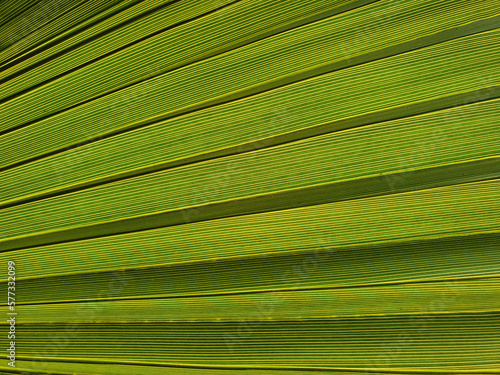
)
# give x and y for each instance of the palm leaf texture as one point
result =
(259, 187)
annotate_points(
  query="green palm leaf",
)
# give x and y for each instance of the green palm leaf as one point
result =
(250, 187)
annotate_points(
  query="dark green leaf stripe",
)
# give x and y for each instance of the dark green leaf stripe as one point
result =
(302, 227)
(421, 341)
(99, 13)
(387, 300)
(65, 20)
(321, 266)
(42, 15)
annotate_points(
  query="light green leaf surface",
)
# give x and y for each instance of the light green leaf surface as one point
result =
(250, 187)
